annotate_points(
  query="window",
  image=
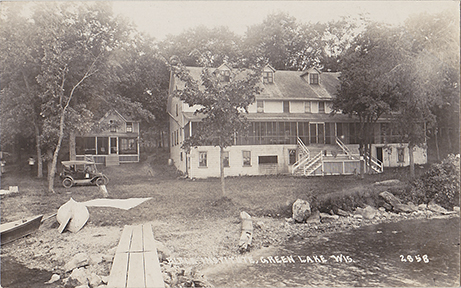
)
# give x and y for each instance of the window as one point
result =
(321, 107)
(202, 159)
(268, 159)
(103, 145)
(260, 106)
(317, 133)
(225, 159)
(286, 106)
(400, 155)
(180, 156)
(177, 110)
(113, 145)
(268, 77)
(291, 156)
(225, 76)
(246, 158)
(112, 126)
(314, 78)
(128, 146)
(85, 145)
(129, 127)
(307, 107)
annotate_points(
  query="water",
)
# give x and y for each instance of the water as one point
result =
(16, 275)
(407, 253)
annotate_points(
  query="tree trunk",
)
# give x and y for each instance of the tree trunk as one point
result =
(221, 167)
(39, 152)
(72, 155)
(412, 161)
(52, 170)
(437, 145)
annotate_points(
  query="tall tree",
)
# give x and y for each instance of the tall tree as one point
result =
(223, 106)
(429, 79)
(435, 40)
(217, 44)
(367, 89)
(71, 64)
(142, 76)
(275, 41)
(76, 43)
(20, 64)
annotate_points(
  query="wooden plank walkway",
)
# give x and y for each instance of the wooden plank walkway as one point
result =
(136, 262)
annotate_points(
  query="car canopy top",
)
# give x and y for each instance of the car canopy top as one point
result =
(77, 162)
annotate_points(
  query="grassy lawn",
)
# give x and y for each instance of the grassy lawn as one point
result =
(188, 216)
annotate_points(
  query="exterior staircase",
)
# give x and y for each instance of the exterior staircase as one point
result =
(374, 164)
(314, 164)
(303, 159)
(306, 166)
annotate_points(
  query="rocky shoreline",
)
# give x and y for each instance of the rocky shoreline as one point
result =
(91, 268)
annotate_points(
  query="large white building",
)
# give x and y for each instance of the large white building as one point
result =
(291, 131)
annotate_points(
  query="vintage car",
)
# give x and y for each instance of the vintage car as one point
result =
(81, 172)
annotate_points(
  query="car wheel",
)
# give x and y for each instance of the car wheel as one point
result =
(67, 182)
(101, 181)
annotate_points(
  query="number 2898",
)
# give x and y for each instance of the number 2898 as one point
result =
(415, 258)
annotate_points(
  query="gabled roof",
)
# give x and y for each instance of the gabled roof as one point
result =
(268, 66)
(310, 70)
(224, 65)
(113, 111)
(290, 85)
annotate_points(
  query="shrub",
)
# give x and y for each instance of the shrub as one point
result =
(440, 184)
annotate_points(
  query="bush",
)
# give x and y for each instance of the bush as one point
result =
(440, 184)
(346, 200)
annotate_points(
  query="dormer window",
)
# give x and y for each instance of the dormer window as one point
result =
(314, 78)
(129, 127)
(268, 77)
(225, 76)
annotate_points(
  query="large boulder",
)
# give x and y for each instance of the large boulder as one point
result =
(437, 208)
(342, 213)
(301, 210)
(368, 212)
(390, 198)
(94, 280)
(79, 260)
(314, 218)
(81, 275)
(399, 207)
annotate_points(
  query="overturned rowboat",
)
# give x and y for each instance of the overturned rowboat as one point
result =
(18, 229)
(72, 216)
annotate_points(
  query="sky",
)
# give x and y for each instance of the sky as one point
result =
(160, 18)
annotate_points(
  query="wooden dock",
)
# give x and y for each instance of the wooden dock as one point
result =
(136, 260)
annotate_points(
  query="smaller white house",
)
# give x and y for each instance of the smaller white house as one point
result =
(117, 142)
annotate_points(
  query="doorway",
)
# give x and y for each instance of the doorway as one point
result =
(379, 153)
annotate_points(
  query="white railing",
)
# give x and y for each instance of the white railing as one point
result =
(304, 150)
(305, 155)
(313, 164)
(345, 149)
(375, 164)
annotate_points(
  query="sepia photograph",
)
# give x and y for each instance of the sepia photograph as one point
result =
(163, 144)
